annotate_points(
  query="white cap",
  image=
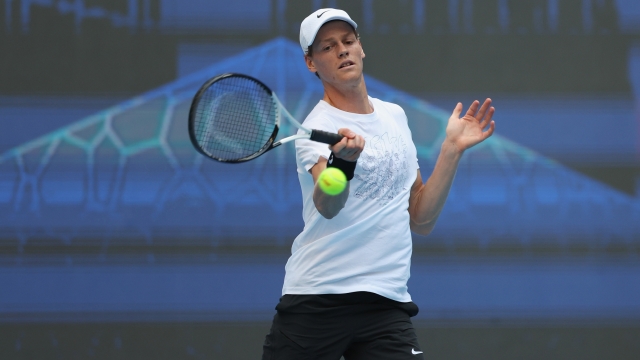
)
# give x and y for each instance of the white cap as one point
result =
(310, 26)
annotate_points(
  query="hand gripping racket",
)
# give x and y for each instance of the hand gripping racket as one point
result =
(235, 118)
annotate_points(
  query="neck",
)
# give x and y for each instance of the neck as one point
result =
(353, 99)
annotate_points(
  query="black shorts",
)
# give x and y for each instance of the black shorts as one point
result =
(358, 325)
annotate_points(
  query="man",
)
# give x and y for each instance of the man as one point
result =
(345, 289)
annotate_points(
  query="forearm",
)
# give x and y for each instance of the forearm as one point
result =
(329, 205)
(347, 150)
(427, 204)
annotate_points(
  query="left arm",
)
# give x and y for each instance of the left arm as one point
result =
(427, 200)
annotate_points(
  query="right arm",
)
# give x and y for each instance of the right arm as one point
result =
(349, 149)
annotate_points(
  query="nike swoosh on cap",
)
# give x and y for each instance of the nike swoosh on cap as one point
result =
(414, 352)
(322, 14)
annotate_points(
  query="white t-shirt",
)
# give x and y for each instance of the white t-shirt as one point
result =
(367, 246)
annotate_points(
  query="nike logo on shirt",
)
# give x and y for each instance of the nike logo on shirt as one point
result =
(414, 352)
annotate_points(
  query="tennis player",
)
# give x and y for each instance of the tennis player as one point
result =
(345, 288)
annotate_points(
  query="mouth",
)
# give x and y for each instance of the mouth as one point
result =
(346, 64)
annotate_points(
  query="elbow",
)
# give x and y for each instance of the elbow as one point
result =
(423, 229)
(327, 215)
(329, 206)
(328, 212)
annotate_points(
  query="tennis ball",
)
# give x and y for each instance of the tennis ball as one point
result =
(332, 181)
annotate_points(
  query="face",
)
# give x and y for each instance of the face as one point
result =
(336, 54)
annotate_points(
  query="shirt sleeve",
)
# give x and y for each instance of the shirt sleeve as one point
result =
(307, 151)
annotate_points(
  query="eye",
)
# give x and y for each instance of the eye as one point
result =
(326, 48)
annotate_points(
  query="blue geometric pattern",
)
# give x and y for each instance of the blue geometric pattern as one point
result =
(130, 175)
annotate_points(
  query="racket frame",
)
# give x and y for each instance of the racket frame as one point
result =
(271, 143)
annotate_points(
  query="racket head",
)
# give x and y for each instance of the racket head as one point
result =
(233, 118)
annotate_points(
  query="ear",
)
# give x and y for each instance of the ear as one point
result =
(309, 61)
(361, 49)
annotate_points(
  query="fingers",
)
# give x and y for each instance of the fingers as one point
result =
(489, 132)
(483, 110)
(489, 116)
(457, 110)
(479, 114)
(350, 147)
(346, 133)
(473, 109)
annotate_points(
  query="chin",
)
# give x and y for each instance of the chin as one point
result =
(352, 75)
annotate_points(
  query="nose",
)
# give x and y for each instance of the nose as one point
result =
(343, 52)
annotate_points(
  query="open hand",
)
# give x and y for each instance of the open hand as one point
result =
(467, 131)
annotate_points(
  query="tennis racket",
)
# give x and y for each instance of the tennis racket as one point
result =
(235, 118)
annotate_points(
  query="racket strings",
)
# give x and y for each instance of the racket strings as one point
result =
(234, 118)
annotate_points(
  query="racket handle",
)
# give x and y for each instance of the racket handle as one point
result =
(325, 137)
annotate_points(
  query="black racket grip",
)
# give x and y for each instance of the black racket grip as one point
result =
(325, 137)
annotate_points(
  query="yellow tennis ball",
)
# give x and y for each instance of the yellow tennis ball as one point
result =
(332, 181)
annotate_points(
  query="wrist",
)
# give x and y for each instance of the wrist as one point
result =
(450, 149)
(347, 167)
